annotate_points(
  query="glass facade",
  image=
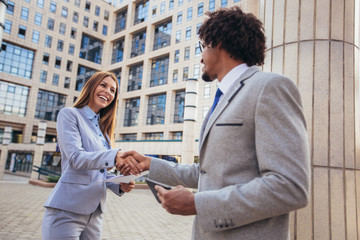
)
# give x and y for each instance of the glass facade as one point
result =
(118, 51)
(131, 112)
(156, 109)
(162, 36)
(48, 105)
(179, 106)
(91, 49)
(120, 23)
(138, 43)
(135, 77)
(13, 98)
(159, 71)
(141, 12)
(16, 60)
(83, 74)
(19, 161)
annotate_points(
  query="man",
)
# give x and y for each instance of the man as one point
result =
(254, 165)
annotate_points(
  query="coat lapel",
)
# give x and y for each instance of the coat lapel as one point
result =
(238, 85)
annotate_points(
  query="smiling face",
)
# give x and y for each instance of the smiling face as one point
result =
(103, 94)
(210, 60)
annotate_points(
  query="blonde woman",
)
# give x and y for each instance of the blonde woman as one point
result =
(85, 133)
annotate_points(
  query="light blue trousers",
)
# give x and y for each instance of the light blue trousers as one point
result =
(60, 225)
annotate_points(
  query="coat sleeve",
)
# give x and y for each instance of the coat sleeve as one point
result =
(282, 154)
(71, 145)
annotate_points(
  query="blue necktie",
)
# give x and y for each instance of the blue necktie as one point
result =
(216, 100)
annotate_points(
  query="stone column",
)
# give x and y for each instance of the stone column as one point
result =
(316, 44)
(188, 138)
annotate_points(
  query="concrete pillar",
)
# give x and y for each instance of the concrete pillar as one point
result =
(38, 155)
(41, 133)
(7, 135)
(191, 102)
(3, 156)
(316, 44)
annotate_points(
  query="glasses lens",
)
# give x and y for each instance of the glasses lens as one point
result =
(201, 46)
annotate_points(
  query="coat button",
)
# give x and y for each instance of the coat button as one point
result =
(106, 164)
(202, 171)
(101, 170)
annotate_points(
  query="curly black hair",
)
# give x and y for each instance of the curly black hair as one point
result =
(238, 33)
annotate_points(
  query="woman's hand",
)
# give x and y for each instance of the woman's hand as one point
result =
(127, 187)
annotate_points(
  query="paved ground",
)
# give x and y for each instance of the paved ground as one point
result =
(135, 216)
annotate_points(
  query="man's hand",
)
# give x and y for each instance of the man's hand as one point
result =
(127, 187)
(133, 167)
(178, 200)
(143, 162)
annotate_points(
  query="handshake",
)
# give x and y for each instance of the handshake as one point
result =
(132, 162)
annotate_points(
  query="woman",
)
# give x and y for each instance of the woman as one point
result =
(85, 132)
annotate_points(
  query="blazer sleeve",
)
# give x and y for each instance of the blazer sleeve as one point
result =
(283, 160)
(71, 145)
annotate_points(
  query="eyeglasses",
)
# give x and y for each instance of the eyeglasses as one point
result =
(201, 46)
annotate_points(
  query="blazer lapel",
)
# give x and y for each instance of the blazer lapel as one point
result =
(238, 85)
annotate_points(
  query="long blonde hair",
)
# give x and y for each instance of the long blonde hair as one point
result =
(107, 115)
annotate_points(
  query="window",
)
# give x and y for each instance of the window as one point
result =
(58, 62)
(200, 9)
(120, 23)
(86, 21)
(154, 136)
(117, 73)
(22, 31)
(73, 33)
(50, 24)
(189, 13)
(55, 80)
(196, 71)
(156, 109)
(211, 5)
(188, 33)
(24, 13)
(77, 3)
(87, 6)
(48, 105)
(171, 4)
(91, 49)
(187, 53)
(224, 3)
(40, 3)
(207, 88)
(13, 98)
(38, 19)
(67, 82)
(60, 45)
(97, 10)
(141, 11)
(131, 112)
(118, 51)
(159, 71)
(179, 106)
(8, 25)
(181, 2)
(176, 135)
(16, 60)
(162, 36)
(135, 77)
(48, 40)
(46, 57)
(35, 36)
(106, 15)
(75, 17)
(185, 73)
(43, 76)
(197, 28)
(162, 8)
(105, 29)
(138, 44)
(178, 36)
(175, 76)
(69, 65)
(154, 11)
(177, 56)
(179, 18)
(52, 7)
(129, 137)
(83, 74)
(197, 50)
(62, 28)
(71, 49)
(64, 12)
(95, 26)
(10, 8)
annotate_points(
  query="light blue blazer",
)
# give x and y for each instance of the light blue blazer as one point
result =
(84, 160)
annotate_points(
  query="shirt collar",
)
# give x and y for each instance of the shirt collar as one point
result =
(231, 77)
(90, 113)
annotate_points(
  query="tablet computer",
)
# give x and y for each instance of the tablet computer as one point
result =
(152, 184)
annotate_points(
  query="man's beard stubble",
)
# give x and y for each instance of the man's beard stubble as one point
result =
(206, 77)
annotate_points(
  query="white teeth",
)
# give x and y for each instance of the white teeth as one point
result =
(103, 98)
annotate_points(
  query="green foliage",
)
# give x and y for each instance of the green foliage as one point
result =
(53, 178)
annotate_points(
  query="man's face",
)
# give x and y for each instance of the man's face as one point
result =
(210, 60)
